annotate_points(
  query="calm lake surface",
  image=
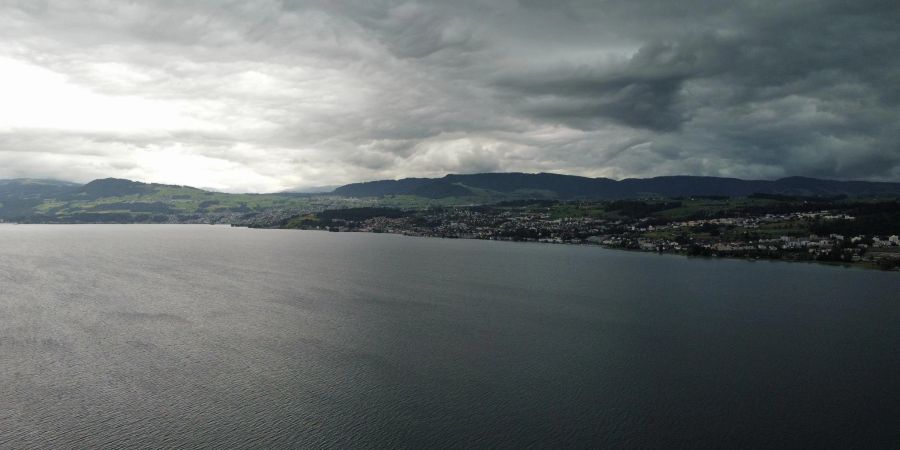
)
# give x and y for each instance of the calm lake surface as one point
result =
(186, 336)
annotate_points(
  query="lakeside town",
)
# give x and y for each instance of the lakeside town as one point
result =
(798, 235)
(832, 227)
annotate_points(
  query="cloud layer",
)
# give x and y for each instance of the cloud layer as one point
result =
(264, 95)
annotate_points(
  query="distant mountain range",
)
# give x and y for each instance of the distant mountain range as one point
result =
(548, 185)
(117, 200)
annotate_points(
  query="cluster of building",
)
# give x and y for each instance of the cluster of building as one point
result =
(686, 237)
(834, 247)
(506, 225)
(747, 222)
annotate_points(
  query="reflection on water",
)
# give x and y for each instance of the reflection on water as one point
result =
(154, 336)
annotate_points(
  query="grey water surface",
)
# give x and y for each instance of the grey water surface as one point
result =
(206, 336)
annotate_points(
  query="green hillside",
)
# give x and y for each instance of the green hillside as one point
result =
(123, 201)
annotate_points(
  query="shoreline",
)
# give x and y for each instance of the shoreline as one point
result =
(867, 265)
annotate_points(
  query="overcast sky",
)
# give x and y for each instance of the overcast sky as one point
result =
(260, 95)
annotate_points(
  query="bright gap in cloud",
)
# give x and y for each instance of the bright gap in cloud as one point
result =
(177, 165)
(37, 98)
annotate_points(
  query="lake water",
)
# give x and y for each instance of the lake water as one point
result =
(168, 336)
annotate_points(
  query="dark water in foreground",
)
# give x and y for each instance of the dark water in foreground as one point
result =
(156, 336)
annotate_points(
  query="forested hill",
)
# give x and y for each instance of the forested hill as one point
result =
(547, 185)
(114, 200)
(124, 201)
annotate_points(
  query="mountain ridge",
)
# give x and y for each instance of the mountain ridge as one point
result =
(516, 184)
(115, 200)
(568, 187)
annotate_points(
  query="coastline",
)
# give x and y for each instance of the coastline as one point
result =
(868, 265)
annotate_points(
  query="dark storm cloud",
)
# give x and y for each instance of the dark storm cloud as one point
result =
(644, 93)
(265, 94)
(783, 89)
